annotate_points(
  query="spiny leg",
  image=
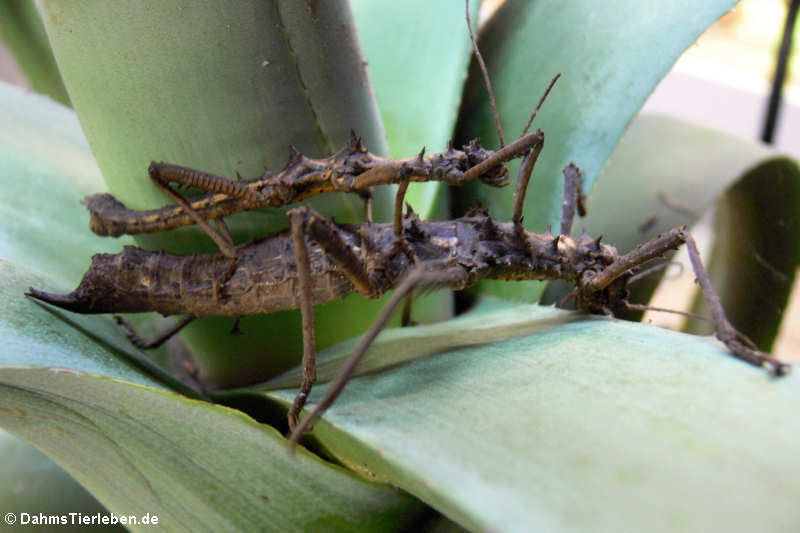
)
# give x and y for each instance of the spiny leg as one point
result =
(166, 173)
(523, 178)
(305, 221)
(156, 341)
(735, 341)
(503, 155)
(368, 208)
(298, 220)
(655, 247)
(738, 343)
(526, 168)
(346, 256)
(403, 244)
(419, 276)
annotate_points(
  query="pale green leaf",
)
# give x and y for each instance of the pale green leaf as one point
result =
(586, 425)
(196, 466)
(31, 483)
(22, 31)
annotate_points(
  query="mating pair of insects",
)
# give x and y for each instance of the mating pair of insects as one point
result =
(318, 260)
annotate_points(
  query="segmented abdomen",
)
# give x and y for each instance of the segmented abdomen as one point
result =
(262, 279)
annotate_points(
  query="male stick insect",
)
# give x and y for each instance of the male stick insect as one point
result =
(318, 260)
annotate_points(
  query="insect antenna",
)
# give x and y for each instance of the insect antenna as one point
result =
(652, 270)
(643, 307)
(486, 80)
(539, 105)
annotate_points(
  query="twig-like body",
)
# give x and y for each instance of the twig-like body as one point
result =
(265, 277)
(352, 169)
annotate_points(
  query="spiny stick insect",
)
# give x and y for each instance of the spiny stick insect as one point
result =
(317, 260)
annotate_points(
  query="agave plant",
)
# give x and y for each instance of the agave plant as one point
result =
(512, 416)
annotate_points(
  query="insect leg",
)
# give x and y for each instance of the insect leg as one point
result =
(305, 222)
(298, 220)
(398, 208)
(524, 143)
(166, 173)
(655, 247)
(525, 171)
(368, 207)
(735, 341)
(223, 229)
(573, 197)
(156, 341)
(419, 276)
(346, 256)
(403, 244)
(222, 240)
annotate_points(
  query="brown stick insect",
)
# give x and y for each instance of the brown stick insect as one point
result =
(317, 260)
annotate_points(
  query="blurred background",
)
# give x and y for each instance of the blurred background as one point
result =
(724, 81)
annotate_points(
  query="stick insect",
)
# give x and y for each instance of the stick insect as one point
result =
(317, 260)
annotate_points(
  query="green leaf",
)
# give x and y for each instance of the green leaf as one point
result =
(611, 57)
(31, 483)
(22, 31)
(491, 321)
(44, 242)
(418, 75)
(196, 466)
(589, 424)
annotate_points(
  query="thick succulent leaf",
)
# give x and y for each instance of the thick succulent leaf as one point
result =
(611, 57)
(491, 321)
(591, 424)
(45, 169)
(196, 466)
(671, 172)
(229, 89)
(31, 483)
(33, 336)
(22, 31)
(418, 75)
